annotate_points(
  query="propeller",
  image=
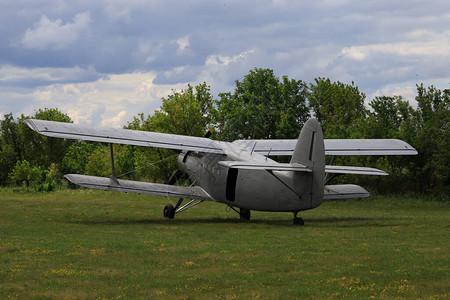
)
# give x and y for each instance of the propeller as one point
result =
(175, 177)
(179, 173)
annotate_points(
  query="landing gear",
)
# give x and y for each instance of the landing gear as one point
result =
(298, 221)
(169, 211)
(244, 214)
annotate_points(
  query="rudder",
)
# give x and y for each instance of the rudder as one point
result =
(310, 151)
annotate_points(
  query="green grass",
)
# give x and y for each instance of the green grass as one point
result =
(99, 245)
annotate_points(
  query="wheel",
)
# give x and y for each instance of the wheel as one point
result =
(245, 214)
(169, 211)
(299, 221)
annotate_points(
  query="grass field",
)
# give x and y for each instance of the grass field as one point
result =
(99, 245)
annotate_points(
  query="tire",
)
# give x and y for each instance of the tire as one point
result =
(245, 214)
(169, 211)
(299, 221)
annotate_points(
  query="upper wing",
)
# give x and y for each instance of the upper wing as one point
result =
(139, 187)
(124, 136)
(332, 147)
(368, 147)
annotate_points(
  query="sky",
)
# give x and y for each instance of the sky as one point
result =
(103, 62)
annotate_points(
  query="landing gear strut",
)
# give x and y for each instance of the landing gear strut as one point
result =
(298, 221)
(170, 211)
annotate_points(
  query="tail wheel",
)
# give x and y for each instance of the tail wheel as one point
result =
(169, 211)
(299, 221)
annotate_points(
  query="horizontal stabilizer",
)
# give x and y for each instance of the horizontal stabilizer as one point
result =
(138, 187)
(368, 147)
(353, 170)
(124, 136)
(344, 191)
(273, 166)
(332, 147)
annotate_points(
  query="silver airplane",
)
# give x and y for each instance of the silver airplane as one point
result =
(239, 174)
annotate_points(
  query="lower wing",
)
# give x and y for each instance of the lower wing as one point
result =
(139, 187)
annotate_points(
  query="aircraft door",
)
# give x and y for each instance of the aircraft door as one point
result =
(231, 184)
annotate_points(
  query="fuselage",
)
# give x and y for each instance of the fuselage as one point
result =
(263, 190)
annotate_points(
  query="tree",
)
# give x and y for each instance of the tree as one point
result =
(337, 106)
(8, 160)
(187, 112)
(76, 157)
(99, 162)
(389, 117)
(20, 143)
(11, 135)
(39, 149)
(263, 106)
(431, 137)
(24, 172)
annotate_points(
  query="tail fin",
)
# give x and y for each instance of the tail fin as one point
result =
(310, 151)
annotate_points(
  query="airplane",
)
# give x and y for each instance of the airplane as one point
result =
(239, 174)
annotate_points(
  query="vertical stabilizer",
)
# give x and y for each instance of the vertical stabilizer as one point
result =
(310, 151)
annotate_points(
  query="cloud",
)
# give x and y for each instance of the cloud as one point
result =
(216, 70)
(97, 59)
(226, 60)
(415, 49)
(55, 35)
(109, 101)
(183, 43)
(32, 77)
(121, 118)
(408, 90)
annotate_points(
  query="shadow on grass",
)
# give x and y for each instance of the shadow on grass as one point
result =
(313, 222)
(361, 221)
(179, 221)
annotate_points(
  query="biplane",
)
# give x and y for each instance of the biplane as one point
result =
(239, 174)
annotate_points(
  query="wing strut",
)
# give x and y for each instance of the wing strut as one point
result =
(113, 170)
(330, 176)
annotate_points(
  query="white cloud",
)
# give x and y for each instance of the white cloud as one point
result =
(48, 34)
(108, 101)
(120, 119)
(425, 43)
(401, 49)
(182, 43)
(408, 90)
(226, 60)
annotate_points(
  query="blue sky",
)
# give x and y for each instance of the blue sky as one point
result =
(103, 62)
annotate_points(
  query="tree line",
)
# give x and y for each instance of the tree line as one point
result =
(262, 106)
